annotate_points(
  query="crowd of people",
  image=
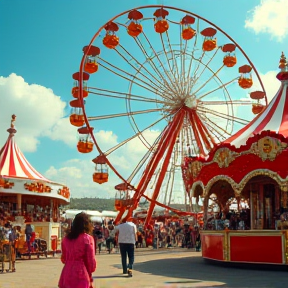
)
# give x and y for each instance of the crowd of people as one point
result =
(165, 234)
(35, 214)
(103, 236)
(83, 240)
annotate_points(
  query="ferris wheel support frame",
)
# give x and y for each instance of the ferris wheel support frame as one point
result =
(81, 98)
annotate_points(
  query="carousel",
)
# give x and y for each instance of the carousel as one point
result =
(27, 197)
(242, 185)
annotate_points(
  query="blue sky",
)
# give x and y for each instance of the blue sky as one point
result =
(41, 47)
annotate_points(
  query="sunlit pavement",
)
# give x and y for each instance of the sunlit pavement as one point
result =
(153, 268)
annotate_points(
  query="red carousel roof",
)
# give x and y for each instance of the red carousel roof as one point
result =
(273, 118)
(12, 161)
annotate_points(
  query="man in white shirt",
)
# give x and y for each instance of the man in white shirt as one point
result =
(127, 238)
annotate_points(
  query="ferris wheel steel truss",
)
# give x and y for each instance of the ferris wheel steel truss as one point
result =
(189, 121)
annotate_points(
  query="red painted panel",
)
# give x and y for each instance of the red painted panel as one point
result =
(212, 246)
(257, 249)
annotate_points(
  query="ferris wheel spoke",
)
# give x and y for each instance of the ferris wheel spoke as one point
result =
(183, 78)
(127, 94)
(139, 133)
(193, 78)
(141, 65)
(216, 130)
(224, 85)
(206, 65)
(174, 80)
(230, 102)
(190, 80)
(92, 118)
(208, 80)
(160, 62)
(183, 65)
(224, 116)
(150, 61)
(131, 79)
(173, 57)
(145, 158)
(124, 95)
(139, 68)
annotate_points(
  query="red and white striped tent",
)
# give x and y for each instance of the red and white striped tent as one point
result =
(14, 164)
(273, 118)
(19, 177)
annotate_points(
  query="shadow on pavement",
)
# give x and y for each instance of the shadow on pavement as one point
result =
(196, 269)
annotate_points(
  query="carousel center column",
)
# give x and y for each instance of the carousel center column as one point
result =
(19, 203)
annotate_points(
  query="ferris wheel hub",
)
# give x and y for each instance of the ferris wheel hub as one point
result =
(191, 102)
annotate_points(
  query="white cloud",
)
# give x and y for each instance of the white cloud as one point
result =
(270, 17)
(39, 113)
(77, 175)
(271, 84)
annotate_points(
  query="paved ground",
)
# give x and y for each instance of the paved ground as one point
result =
(169, 268)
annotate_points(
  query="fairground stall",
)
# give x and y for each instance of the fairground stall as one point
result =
(243, 184)
(26, 196)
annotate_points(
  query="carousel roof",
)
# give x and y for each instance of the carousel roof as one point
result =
(12, 161)
(273, 118)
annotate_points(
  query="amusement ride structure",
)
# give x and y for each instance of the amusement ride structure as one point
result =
(169, 84)
(249, 169)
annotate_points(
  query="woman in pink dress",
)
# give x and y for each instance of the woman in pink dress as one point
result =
(78, 255)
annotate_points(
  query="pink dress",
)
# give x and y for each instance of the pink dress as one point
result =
(78, 256)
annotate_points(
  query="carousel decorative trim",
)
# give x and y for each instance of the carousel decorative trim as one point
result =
(194, 169)
(37, 187)
(6, 184)
(237, 188)
(262, 172)
(268, 148)
(195, 184)
(224, 156)
(65, 192)
(217, 178)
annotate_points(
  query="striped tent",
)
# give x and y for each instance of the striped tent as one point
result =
(14, 164)
(273, 118)
(19, 177)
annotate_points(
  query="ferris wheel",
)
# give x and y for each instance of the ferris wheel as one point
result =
(166, 84)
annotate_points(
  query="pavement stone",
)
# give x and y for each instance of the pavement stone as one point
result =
(153, 268)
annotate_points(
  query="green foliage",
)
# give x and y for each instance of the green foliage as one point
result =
(91, 204)
(100, 204)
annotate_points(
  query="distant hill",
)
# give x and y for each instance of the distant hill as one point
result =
(98, 204)
(101, 204)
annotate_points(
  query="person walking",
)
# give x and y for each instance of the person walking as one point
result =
(110, 241)
(127, 235)
(28, 234)
(13, 240)
(98, 234)
(78, 255)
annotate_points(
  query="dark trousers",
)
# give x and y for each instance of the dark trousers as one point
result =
(127, 249)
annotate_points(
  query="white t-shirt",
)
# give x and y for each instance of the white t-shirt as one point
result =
(127, 233)
(112, 233)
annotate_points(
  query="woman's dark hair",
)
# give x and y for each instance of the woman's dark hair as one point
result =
(81, 224)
